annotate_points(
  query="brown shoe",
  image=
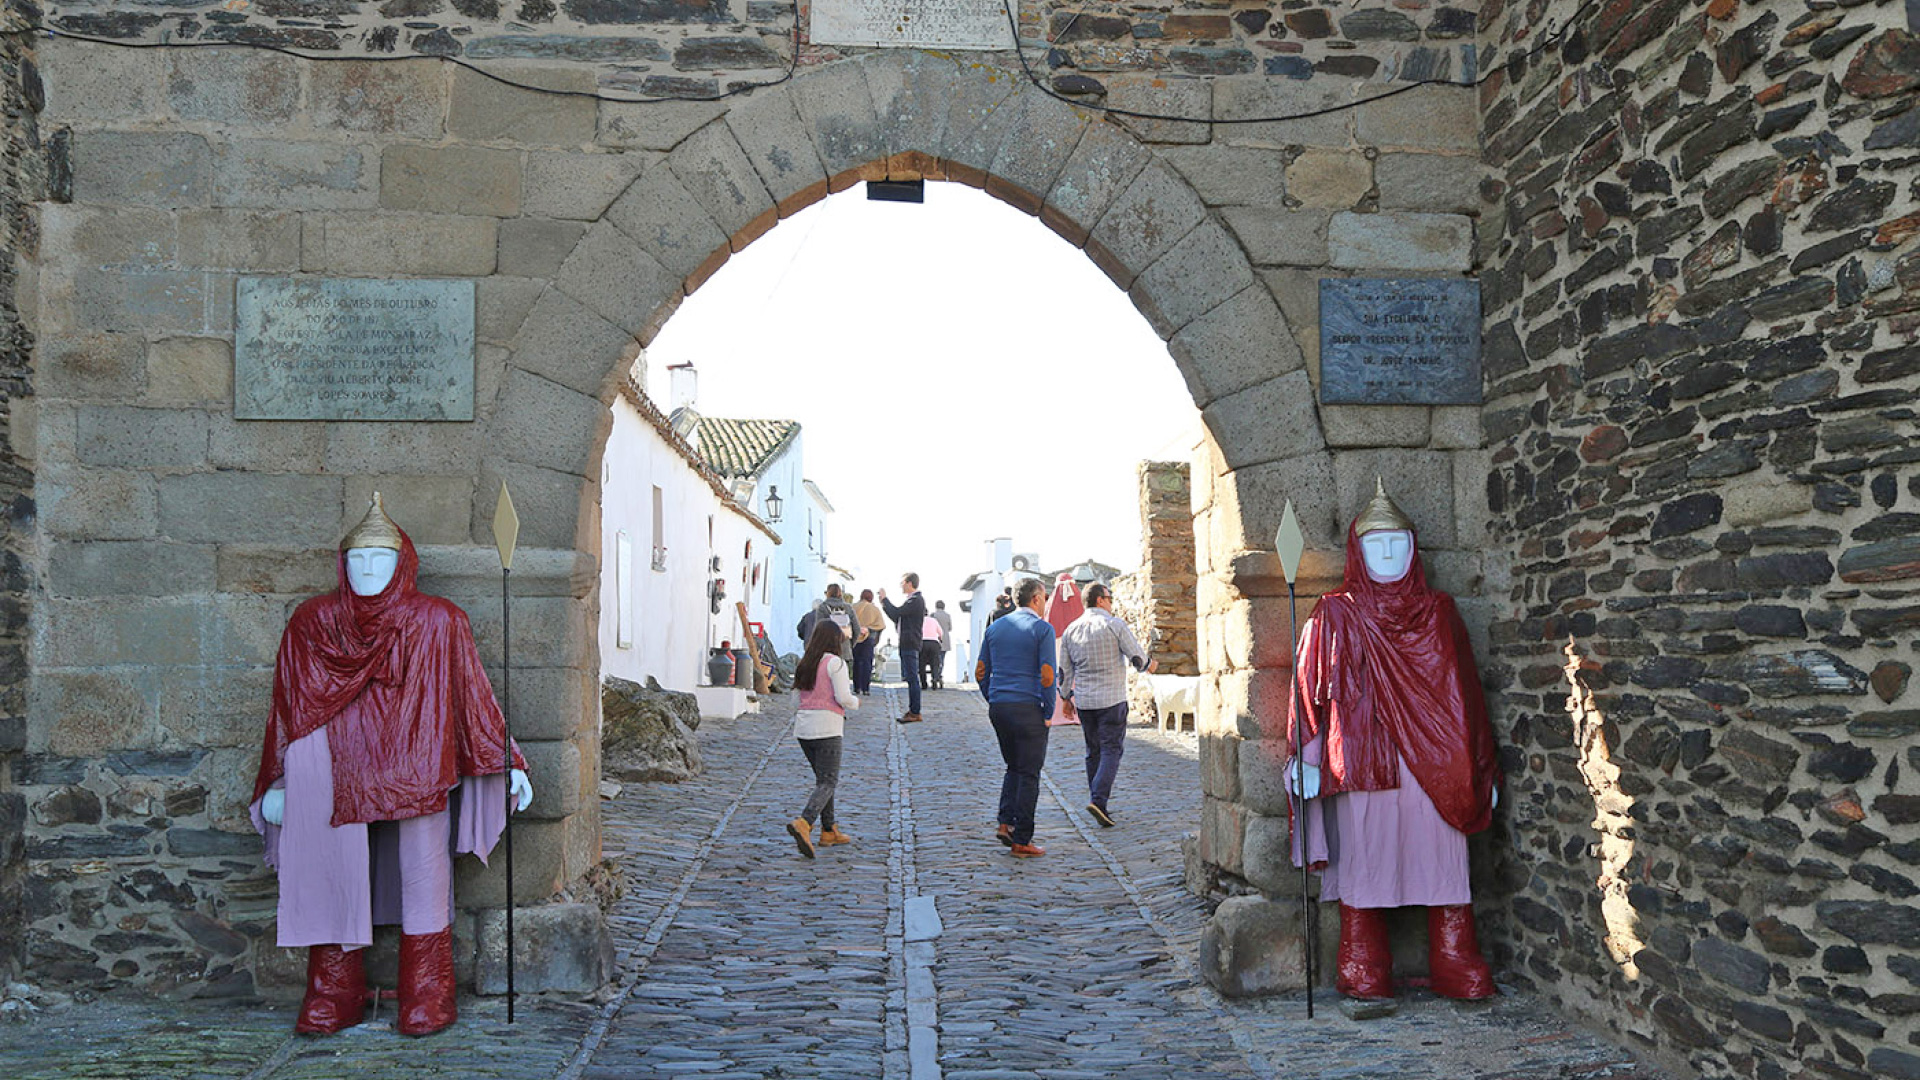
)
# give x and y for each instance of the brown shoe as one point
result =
(1004, 834)
(802, 834)
(1028, 851)
(830, 837)
(911, 718)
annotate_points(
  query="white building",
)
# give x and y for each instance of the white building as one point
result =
(1006, 569)
(762, 463)
(677, 552)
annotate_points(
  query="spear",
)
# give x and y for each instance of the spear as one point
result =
(506, 530)
(1290, 544)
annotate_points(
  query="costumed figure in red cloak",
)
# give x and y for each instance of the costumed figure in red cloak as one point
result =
(382, 759)
(1399, 764)
(1063, 607)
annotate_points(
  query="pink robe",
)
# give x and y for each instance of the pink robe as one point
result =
(343, 880)
(1384, 848)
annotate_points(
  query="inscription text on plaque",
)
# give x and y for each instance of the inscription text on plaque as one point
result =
(1407, 341)
(352, 349)
(939, 24)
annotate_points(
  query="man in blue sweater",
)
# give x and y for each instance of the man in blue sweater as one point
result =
(1015, 673)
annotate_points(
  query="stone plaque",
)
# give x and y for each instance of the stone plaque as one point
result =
(1399, 341)
(352, 349)
(942, 24)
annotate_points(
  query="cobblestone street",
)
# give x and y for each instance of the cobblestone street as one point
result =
(740, 959)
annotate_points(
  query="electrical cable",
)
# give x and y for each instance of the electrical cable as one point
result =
(793, 63)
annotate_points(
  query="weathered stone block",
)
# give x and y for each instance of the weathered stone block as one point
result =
(385, 98)
(1273, 236)
(239, 240)
(717, 173)
(147, 168)
(119, 631)
(1267, 857)
(554, 770)
(557, 947)
(1163, 96)
(1252, 947)
(273, 174)
(1472, 517)
(1252, 498)
(263, 445)
(539, 869)
(1457, 427)
(616, 278)
(1432, 117)
(248, 568)
(1420, 482)
(1367, 426)
(1263, 788)
(975, 124)
(550, 423)
(535, 247)
(1337, 179)
(240, 507)
(231, 87)
(1155, 213)
(432, 509)
(668, 222)
(450, 180)
(1103, 164)
(654, 125)
(420, 244)
(912, 97)
(1403, 241)
(1226, 175)
(1438, 183)
(90, 82)
(99, 367)
(503, 304)
(1220, 766)
(1238, 345)
(129, 568)
(1038, 143)
(1222, 825)
(1202, 271)
(768, 129)
(1759, 502)
(242, 630)
(103, 504)
(1238, 97)
(87, 713)
(142, 438)
(579, 187)
(156, 301)
(837, 111)
(548, 502)
(1268, 422)
(551, 703)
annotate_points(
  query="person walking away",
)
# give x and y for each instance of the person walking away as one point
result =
(866, 614)
(834, 607)
(1015, 673)
(824, 689)
(946, 643)
(1003, 606)
(933, 648)
(908, 617)
(1094, 654)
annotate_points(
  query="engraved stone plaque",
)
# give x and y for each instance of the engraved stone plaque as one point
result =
(1405, 341)
(352, 349)
(942, 24)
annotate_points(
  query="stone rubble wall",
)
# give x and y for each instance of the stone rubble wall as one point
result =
(174, 540)
(1157, 600)
(1702, 295)
(20, 92)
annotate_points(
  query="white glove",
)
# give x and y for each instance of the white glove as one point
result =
(1496, 797)
(273, 806)
(1303, 779)
(521, 789)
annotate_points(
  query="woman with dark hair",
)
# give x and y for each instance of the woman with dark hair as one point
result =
(825, 693)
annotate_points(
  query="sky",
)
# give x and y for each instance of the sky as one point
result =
(960, 373)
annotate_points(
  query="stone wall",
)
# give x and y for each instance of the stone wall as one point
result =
(1702, 296)
(1167, 577)
(20, 92)
(174, 539)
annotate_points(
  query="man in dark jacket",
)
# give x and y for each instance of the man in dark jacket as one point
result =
(907, 616)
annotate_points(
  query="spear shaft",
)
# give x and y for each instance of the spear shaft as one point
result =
(1299, 793)
(506, 772)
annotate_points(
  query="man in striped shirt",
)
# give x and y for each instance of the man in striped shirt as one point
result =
(1094, 654)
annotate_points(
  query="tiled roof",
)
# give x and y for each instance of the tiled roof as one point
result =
(743, 448)
(663, 425)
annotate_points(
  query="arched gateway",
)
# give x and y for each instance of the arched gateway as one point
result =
(173, 537)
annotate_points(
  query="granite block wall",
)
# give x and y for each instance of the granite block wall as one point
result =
(1702, 295)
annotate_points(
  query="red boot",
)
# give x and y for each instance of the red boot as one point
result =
(336, 990)
(1453, 954)
(426, 982)
(1366, 962)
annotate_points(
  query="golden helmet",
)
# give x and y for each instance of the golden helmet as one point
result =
(376, 530)
(1381, 513)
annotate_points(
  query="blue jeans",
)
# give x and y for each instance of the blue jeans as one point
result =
(863, 664)
(1022, 730)
(910, 671)
(1106, 734)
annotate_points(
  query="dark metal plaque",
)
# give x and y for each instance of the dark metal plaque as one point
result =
(352, 349)
(1399, 341)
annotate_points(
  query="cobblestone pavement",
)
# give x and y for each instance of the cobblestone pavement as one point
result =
(740, 959)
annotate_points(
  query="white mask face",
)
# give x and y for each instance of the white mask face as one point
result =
(1388, 553)
(369, 570)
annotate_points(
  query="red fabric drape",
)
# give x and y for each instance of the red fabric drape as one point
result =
(1386, 670)
(1065, 605)
(427, 714)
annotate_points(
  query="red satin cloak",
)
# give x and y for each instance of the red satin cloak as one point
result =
(426, 713)
(1386, 669)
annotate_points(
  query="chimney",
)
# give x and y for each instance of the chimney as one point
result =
(685, 387)
(1002, 555)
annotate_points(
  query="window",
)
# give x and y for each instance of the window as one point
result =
(623, 589)
(659, 529)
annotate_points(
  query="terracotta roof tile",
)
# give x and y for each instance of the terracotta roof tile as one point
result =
(743, 448)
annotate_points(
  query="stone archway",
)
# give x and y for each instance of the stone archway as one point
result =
(583, 224)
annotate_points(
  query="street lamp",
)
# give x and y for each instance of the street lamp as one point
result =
(774, 502)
